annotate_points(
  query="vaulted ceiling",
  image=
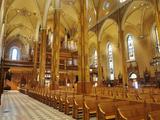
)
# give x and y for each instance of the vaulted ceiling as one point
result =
(23, 17)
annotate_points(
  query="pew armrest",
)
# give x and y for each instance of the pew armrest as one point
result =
(121, 115)
(110, 117)
(101, 111)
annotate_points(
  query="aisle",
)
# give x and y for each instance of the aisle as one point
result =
(17, 106)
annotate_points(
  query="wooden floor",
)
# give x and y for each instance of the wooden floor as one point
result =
(17, 106)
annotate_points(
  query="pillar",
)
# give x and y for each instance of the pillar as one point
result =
(55, 51)
(83, 66)
(157, 17)
(100, 77)
(123, 55)
(42, 57)
(35, 60)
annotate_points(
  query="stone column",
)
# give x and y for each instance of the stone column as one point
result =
(157, 17)
(55, 51)
(42, 57)
(99, 61)
(83, 67)
(35, 60)
(123, 55)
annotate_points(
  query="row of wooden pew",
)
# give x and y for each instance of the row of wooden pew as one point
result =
(99, 106)
(148, 95)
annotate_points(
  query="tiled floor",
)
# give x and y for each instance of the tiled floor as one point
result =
(17, 106)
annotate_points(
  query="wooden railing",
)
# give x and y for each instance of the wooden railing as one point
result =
(18, 63)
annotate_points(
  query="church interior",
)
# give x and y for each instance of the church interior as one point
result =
(80, 59)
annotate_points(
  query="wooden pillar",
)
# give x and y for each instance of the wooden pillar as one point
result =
(35, 60)
(83, 66)
(42, 58)
(55, 51)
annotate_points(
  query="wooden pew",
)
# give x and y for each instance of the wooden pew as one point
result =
(69, 105)
(155, 115)
(107, 110)
(77, 107)
(156, 98)
(91, 105)
(55, 102)
(136, 111)
(132, 96)
(62, 102)
(132, 112)
(146, 97)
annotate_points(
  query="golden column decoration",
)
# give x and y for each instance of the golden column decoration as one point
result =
(55, 51)
(35, 60)
(122, 48)
(42, 57)
(157, 17)
(83, 66)
(99, 61)
(97, 7)
(123, 55)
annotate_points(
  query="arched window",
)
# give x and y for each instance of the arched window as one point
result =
(130, 44)
(94, 59)
(110, 62)
(14, 53)
(157, 45)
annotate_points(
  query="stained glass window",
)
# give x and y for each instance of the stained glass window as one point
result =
(14, 54)
(157, 39)
(110, 61)
(131, 52)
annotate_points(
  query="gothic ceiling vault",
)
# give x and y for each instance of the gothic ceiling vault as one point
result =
(23, 17)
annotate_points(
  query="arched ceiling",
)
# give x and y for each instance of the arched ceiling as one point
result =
(70, 12)
(138, 14)
(22, 16)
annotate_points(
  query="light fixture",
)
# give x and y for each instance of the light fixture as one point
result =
(68, 84)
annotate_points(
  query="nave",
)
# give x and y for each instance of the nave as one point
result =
(17, 106)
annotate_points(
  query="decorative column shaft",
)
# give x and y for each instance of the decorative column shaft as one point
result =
(157, 17)
(55, 51)
(84, 74)
(99, 61)
(35, 60)
(123, 55)
(42, 57)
